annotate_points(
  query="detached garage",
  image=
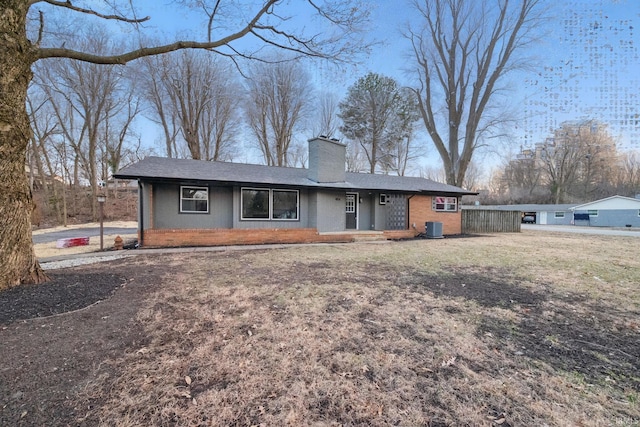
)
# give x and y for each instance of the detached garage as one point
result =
(614, 211)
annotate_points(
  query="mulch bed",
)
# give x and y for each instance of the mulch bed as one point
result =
(67, 291)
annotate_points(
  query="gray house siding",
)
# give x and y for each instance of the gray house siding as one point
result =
(553, 220)
(166, 209)
(380, 218)
(312, 209)
(144, 213)
(330, 211)
(326, 160)
(612, 218)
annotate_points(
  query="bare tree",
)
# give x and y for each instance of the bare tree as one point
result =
(327, 124)
(298, 155)
(627, 177)
(356, 159)
(433, 173)
(473, 176)
(461, 53)
(523, 178)
(277, 102)
(87, 99)
(44, 127)
(261, 22)
(598, 163)
(579, 157)
(118, 131)
(150, 74)
(203, 102)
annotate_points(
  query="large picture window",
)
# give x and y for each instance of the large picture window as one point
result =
(255, 204)
(269, 204)
(194, 199)
(285, 204)
(445, 204)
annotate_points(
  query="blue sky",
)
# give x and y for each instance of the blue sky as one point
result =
(589, 64)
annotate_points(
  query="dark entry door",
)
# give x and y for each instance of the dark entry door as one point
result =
(351, 210)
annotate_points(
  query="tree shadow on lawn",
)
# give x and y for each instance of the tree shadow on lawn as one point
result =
(568, 332)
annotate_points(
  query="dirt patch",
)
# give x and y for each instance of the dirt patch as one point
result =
(436, 333)
(594, 345)
(56, 336)
(488, 286)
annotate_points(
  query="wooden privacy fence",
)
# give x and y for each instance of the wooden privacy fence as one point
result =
(490, 221)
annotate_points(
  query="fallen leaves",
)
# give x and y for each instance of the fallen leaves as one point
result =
(448, 361)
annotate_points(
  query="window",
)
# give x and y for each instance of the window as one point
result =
(383, 199)
(350, 205)
(445, 204)
(194, 199)
(267, 204)
(255, 204)
(559, 214)
(285, 204)
(592, 212)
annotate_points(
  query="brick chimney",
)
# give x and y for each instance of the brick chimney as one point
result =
(327, 160)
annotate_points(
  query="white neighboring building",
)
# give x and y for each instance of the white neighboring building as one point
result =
(614, 211)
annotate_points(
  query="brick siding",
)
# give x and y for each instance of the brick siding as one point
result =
(421, 211)
(223, 237)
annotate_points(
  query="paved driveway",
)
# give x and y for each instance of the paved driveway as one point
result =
(633, 232)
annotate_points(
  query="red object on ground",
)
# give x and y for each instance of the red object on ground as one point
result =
(72, 241)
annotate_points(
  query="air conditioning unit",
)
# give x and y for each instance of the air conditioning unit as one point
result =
(433, 230)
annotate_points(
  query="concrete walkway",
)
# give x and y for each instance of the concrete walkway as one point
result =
(71, 260)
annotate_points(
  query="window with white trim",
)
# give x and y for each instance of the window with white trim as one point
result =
(559, 215)
(350, 205)
(593, 212)
(383, 199)
(269, 204)
(194, 199)
(445, 204)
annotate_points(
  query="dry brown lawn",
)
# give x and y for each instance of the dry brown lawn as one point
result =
(513, 330)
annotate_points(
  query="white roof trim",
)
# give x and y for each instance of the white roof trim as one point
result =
(610, 203)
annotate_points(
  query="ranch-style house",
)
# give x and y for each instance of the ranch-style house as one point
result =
(205, 203)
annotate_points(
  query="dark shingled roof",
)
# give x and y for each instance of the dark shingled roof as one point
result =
(166, 169)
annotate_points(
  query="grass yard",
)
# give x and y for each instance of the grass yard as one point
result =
(512, 330)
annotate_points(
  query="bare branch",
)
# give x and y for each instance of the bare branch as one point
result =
(68, 5)
(41, 29)
(150, 51)
(211, 17)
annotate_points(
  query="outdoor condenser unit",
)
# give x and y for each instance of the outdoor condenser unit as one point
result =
(433, 230)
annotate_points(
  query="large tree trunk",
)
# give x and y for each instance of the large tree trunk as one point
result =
(18, 263)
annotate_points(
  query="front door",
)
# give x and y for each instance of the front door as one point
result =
(351, 210)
